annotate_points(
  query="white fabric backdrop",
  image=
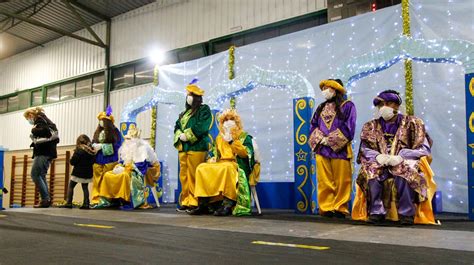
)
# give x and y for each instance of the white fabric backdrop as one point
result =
(266, 112)
(316, 54)
(210, 71)
(440, 95)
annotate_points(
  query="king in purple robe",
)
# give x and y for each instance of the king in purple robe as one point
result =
(331, 133)
(393, 153)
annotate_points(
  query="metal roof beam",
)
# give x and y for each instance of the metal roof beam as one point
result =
(24, 9)
(25, 39)
(89, 10)
(83, 22)
(35, 11)
(54, 29)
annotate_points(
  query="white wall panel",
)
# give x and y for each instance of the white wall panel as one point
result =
(72, 117)
(167, 24)
(171, 24)
(60, 59)
(119, 98)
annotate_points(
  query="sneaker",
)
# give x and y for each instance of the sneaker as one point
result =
(85, 206)
(376, 218)
(43, 204)
(406, 220)
(182, 209)
(223, 211)
(339, 215)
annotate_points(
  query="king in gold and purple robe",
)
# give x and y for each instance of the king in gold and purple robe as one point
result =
(331, 133)
(396, 190)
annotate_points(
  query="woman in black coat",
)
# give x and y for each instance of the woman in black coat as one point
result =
(44, 137)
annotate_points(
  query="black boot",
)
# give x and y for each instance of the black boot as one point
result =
(214, 206)
(226, 208)
(328, 214)
(202, 207)
(339, 215)
(407, 220)
(85, 205)
(376, 219)
(43, 204)
(223, 211)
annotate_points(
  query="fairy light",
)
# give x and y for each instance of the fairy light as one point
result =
(300, 54)
(450, 171)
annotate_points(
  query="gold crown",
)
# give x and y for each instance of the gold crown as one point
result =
(229, 114)
(133, 132)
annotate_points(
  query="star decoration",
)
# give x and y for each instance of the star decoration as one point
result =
(301, 155)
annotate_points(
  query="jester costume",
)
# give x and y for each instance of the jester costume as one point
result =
(191, 139)
(331, 134)
(398, 190)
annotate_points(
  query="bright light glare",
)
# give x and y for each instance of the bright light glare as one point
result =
(157, 56)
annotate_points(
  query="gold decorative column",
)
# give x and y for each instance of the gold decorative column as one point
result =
(232, 72)
(408, 62)
(153, 111)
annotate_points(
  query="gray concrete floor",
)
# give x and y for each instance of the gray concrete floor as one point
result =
(416, 236)
(46, 237)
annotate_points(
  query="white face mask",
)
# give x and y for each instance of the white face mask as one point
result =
(387, 113)
(328, 93)
(376, 113)
(101, 123)
(229, 124)
(189, 100)
(31, 121)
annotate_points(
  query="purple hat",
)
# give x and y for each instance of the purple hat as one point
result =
(388, 96)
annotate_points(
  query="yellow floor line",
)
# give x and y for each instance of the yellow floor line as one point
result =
(95, 226)
(2, 215)
(290, 245)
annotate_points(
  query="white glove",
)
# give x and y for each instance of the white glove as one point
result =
(395, 160)
(383, 159)
(324, 141)
(183, 137)
(97, 147)
(118, 169)
(227, 137)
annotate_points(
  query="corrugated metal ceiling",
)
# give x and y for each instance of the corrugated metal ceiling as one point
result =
(17, 36)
